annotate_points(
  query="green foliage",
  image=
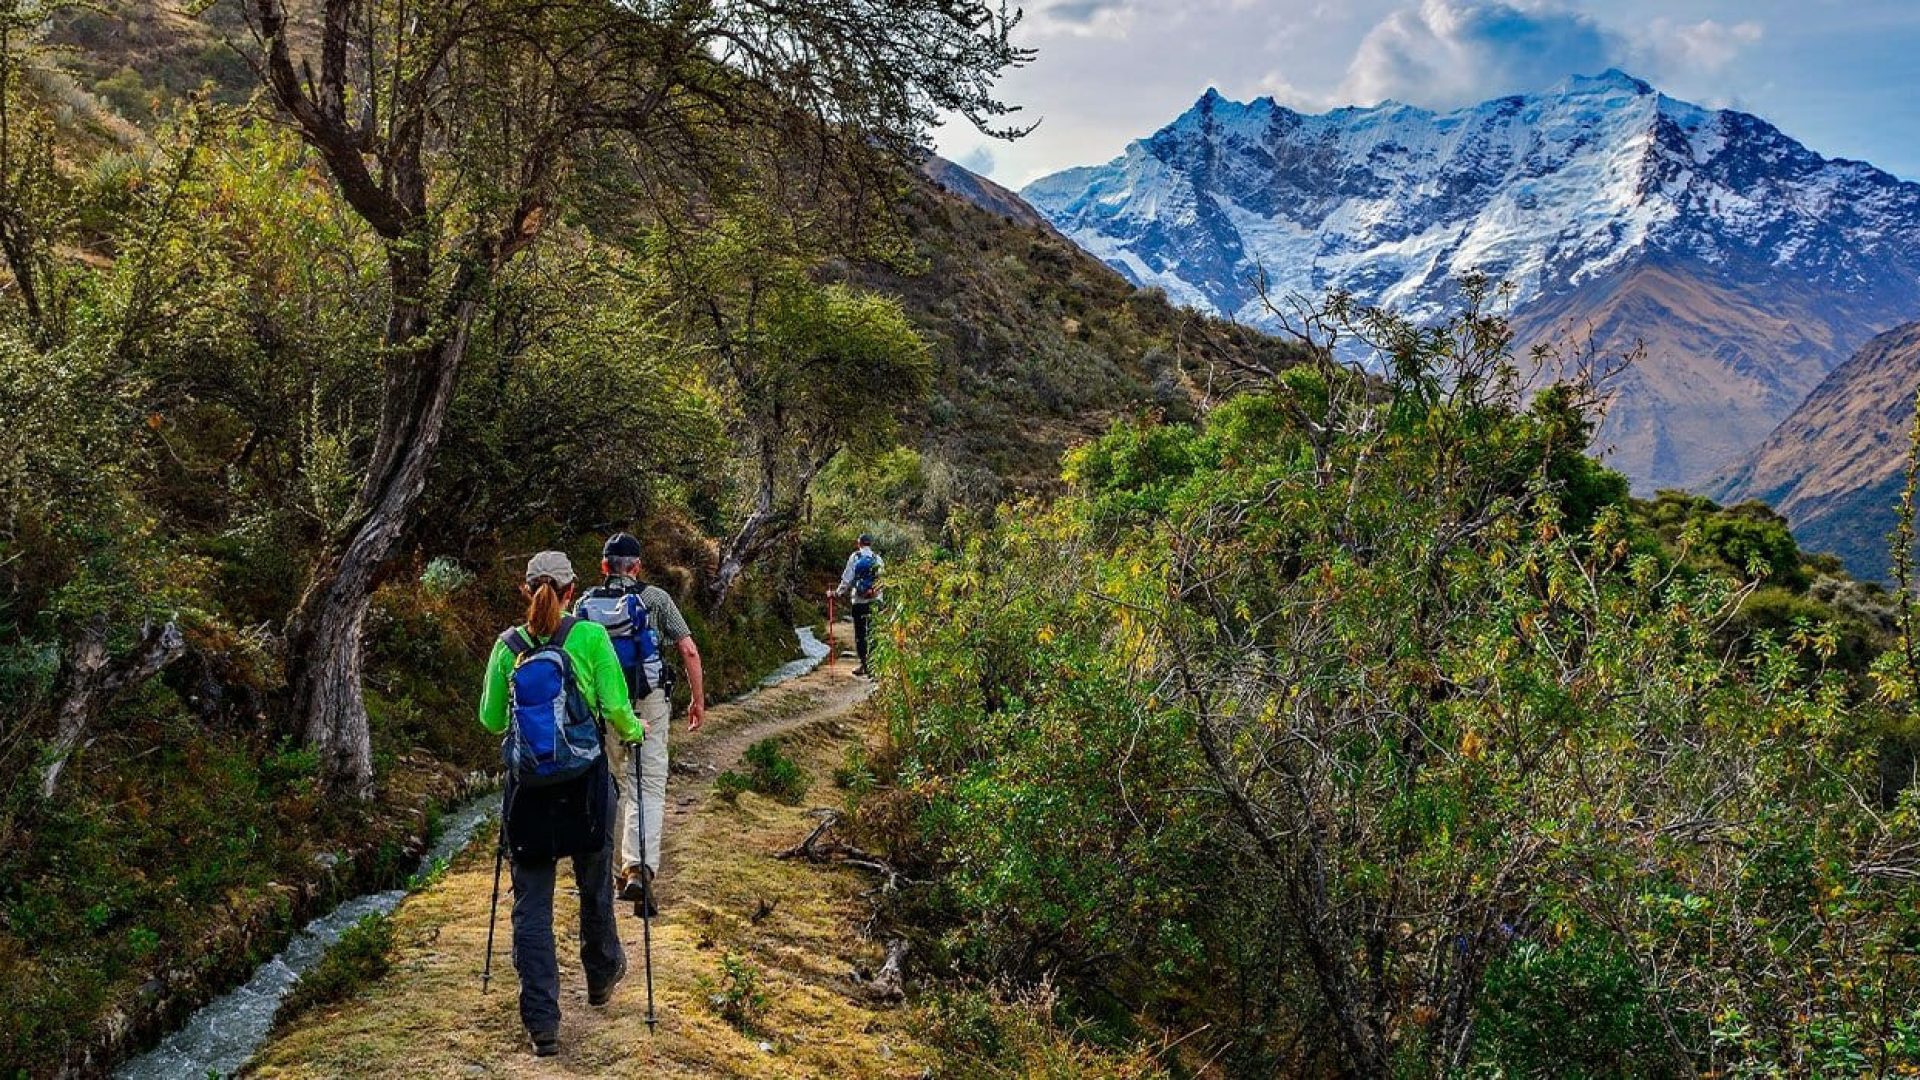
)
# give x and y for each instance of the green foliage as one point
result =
(1749, 540)
(729, 784)
(737, 996)
(1796, 595)
(909, 503)
(770, 772)
(1366, 724)
(582, 404)
(982, 1036)
(751, 636)
(361, 956)
(855, 773)
(808, 371)
(1579, 1003)
(444, 577)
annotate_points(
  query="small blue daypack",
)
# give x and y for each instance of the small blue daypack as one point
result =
(552, 736)
(866, 576)
(631, 630)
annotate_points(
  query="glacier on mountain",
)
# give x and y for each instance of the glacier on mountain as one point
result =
(1546, 191)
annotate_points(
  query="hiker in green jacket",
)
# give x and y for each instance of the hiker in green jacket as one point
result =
(545, 818)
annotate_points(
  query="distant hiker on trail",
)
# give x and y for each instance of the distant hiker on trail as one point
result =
(551, 684)
(860, 584)
(643, 620)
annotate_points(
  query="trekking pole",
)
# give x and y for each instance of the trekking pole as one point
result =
(645, 903)
(493, 911)
(832, 647)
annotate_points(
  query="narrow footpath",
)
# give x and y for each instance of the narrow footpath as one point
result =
(726, 903)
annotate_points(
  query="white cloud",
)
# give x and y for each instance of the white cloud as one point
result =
(1455, 52)
(1279, 88)
(1083, 18)
(978, 160)
(1702, 48)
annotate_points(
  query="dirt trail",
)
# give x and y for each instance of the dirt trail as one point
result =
(795, 927)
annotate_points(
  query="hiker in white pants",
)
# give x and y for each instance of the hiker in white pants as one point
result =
(637, 841)
(646, 622)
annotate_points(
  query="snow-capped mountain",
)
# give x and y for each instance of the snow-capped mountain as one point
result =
(1750, 265)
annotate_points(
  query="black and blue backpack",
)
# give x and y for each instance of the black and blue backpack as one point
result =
(866, 576)
(552, 736)
(628, 625)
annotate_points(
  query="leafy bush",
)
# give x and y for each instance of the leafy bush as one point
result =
(444, 577)
(1364, 724)
(769, 772)
(737, 997)
(984, 1036)
(855, 773)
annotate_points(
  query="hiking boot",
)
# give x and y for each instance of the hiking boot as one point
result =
(861, 672)
(600, 997)
(636, 887)
(631, 887)
(545, 1043)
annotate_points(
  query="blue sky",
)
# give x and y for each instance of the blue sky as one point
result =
(1840, 76)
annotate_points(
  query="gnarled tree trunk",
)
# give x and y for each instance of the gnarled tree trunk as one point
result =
(93, 677)
(324, 641)
(766, 525)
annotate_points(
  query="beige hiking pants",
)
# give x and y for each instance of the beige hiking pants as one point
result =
(643, 805)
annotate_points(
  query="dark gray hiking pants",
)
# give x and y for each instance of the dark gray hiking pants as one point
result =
(533, 949)
(862, 617)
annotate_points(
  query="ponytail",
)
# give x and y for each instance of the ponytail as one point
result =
(543, 609)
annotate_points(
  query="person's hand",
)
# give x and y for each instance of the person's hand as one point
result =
(696, 715)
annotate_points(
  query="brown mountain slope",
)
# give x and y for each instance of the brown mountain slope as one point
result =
(1723, 363)
(1040, 345)
(956, 179)
(1834, 467)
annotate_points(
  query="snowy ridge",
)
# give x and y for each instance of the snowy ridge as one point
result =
(1549, 191)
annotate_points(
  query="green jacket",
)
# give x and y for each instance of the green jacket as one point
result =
(595, 668)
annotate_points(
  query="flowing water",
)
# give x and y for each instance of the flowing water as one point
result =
(222, 1036)
(813, 654)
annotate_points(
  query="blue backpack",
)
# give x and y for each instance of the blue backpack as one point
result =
(866, 576)
(552, 737)
(631, 631)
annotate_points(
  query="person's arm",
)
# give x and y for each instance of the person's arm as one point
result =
(493, 689)
(846, 576)
(604, 683)
(696, 684)
(671, 625)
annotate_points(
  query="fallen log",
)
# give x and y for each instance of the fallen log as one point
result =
(889, 984)
(819, 847)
